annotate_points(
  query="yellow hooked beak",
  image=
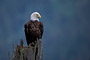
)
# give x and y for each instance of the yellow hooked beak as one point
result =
(39, 16)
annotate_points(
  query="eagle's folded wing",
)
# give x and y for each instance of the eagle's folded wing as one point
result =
(41, 28)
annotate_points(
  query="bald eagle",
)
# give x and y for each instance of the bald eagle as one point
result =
(33, 28)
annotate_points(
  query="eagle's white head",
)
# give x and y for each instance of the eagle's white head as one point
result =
(35, 16)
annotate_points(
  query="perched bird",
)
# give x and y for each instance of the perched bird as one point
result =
(33, 28)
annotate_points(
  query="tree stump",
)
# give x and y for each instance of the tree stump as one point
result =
(31, 52)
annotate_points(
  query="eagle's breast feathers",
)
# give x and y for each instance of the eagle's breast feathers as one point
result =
(33, 30)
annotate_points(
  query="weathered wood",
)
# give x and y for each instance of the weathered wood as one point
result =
(9, 55)
(31, 52)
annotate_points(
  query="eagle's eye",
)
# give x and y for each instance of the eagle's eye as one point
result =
(36, 14)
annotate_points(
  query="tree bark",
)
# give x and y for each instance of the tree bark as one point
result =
(31, 52)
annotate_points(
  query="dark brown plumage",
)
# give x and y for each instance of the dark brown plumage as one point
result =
(33, 31)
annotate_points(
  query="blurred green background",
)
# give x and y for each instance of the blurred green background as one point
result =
(66, 27)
